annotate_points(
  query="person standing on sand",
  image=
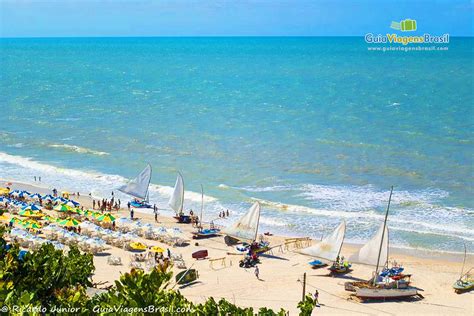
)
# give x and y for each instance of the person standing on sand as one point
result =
(227, 213)
(93, 204)
(257, 272)
(168, 252)
(155, 211)
(316, 297)
(39, 178)
(35, 178)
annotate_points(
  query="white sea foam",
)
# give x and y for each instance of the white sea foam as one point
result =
(365, 197)
(78, 149)
(99, 184)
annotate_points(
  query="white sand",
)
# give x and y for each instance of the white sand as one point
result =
(282, 273)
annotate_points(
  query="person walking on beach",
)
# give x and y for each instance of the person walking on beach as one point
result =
(155, 211)
(316, 297)
(131, 213)
(168, 252)
(93, 204)
(227, 213)
(35, 178)
(257, 272)
(39, 178)
(128, 205)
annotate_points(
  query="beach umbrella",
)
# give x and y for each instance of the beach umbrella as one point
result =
(49, 218)
(4, 217)
(156, 249)
(15, 220)
(32, 207)
(71, 204)
(106, 218)
(4, 191)
(62, 208)
(35, 196)
(69, 222)
(48, 197)
(27, 212)
(32, 224)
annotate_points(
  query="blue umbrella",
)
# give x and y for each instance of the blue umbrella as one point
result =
(35, 196)
(32, 207)
(48, 197)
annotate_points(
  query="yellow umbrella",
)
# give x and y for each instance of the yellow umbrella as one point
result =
(62, 208)
(106, 218)
(4, 217)
(156, 249)
(4, 191)
(69, 222)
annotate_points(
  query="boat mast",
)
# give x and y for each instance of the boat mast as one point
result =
(147, 196)
(202, 205)
(464, 261)
(258, 222)
(182, 197)
(340, 248)
(383, 235)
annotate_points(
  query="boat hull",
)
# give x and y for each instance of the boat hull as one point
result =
(206, 233)
(188, 276)
(183, 219)
(463, 286)
(382, 294)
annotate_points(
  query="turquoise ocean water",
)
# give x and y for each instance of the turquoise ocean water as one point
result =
(318, 129)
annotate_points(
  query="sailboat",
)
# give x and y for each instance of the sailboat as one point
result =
(327, 249)
(375, 253)
(176, 201)
(465, 283)
(138, 188)
(245, 231)
(205, 232)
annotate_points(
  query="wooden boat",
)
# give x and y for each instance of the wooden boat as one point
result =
(206, 233)
(380, 287)
(200, 254)
(138, 188)
(465, 283)
(328, 248)
(463, 286)
(383, 293)
(337, 268)
(186, 277)
(183, 219)
(316, 264)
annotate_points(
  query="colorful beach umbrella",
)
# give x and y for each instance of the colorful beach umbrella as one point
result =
(32, 207)
(106, 218)
(32, 224)
(62, 208)
(35, 196)
(28, 213)
(4, 217)
(69, 222)
(156, 249)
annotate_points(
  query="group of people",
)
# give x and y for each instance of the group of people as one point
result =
(106, 205)
(224, 214)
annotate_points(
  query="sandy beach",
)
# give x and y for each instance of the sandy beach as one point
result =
(281, 273)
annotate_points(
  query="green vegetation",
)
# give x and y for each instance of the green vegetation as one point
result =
(47, 280)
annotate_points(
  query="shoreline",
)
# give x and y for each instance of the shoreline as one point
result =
(281, 271)
(452, 256)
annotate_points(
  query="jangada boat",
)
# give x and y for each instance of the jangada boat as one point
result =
(186, 277)
(328, 249)
(382, 286)
(138, 188)
(176, 201)
(205, 232)
(245, 230)
(465, 283)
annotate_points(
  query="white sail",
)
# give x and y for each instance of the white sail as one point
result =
(330, 246)
(177, 198)
(369, 253)
(138, 187)
(246, 227)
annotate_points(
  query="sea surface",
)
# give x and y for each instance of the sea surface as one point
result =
(317, 129)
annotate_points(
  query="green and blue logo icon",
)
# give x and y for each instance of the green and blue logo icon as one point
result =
(406, 25)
